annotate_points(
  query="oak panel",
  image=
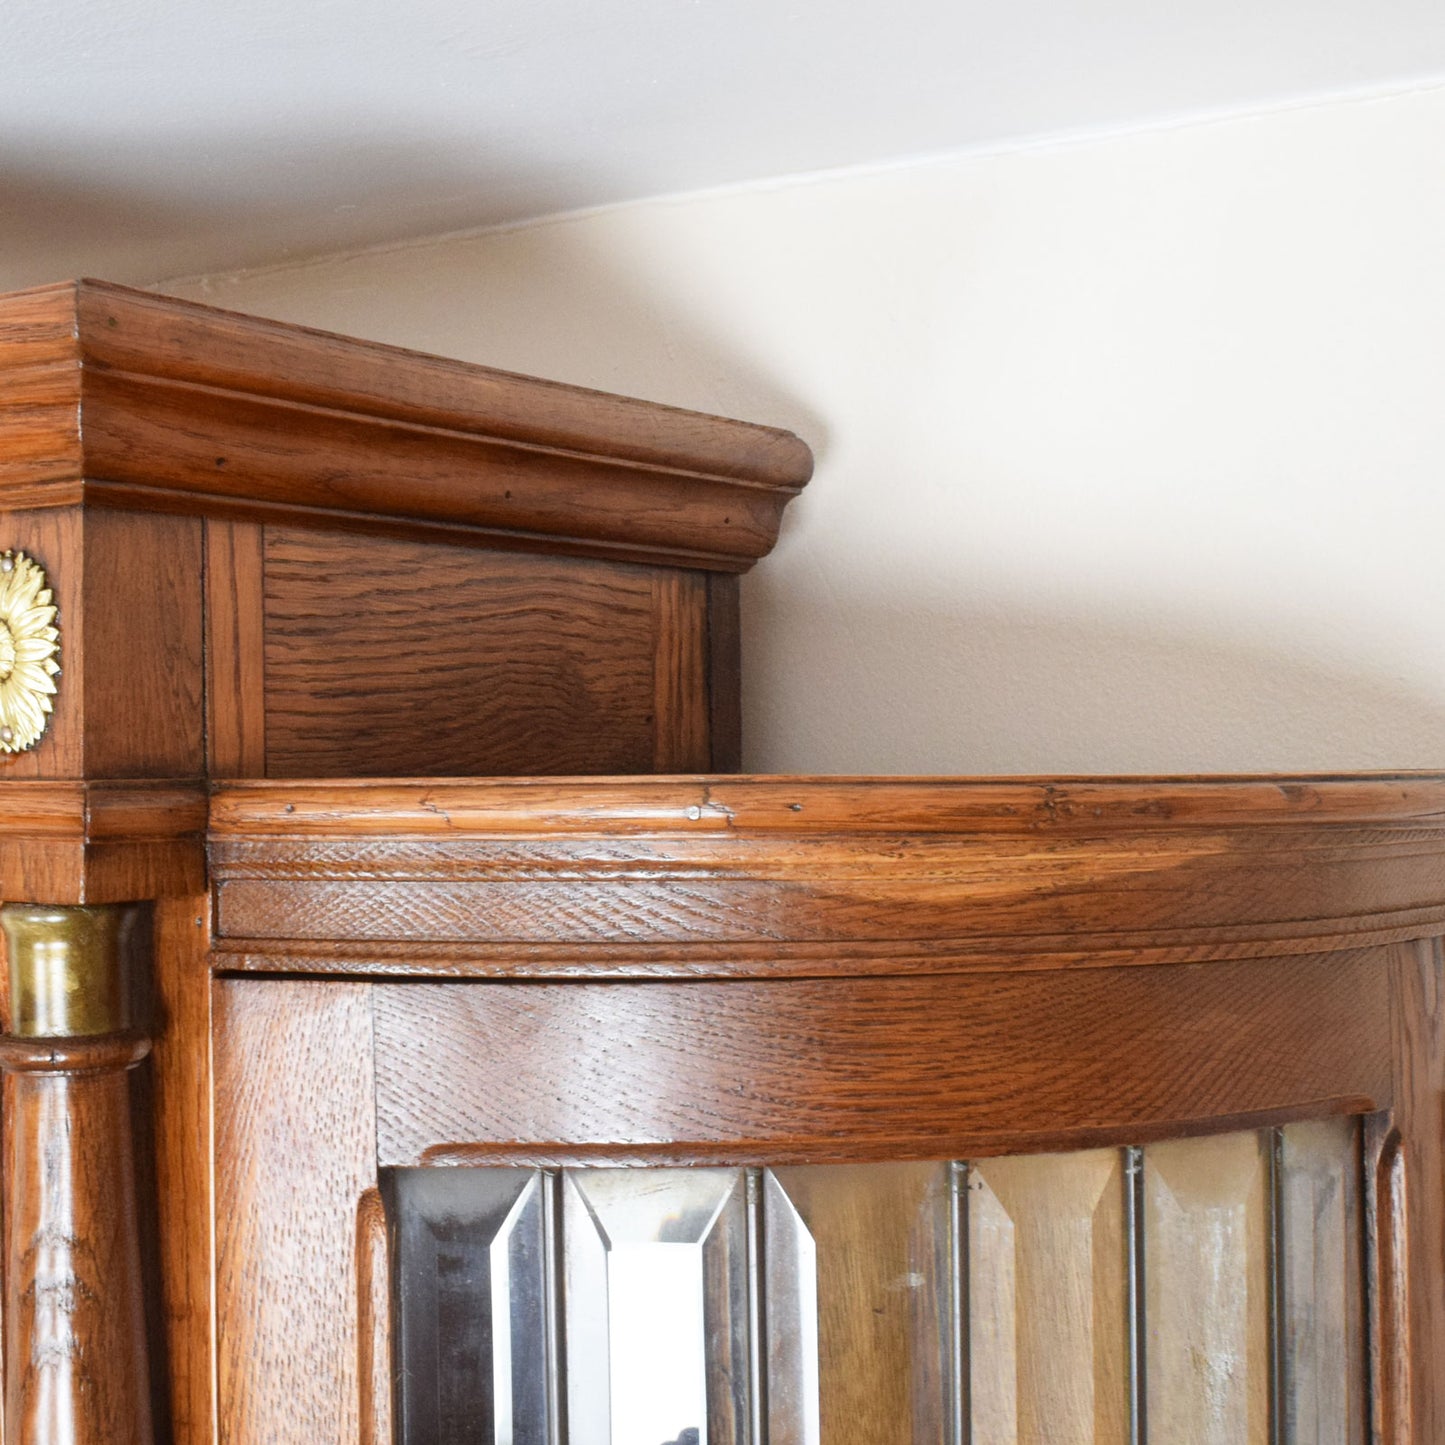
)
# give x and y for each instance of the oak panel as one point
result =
(853, 1068)
(680, 672)
(294, 1149)
(235, 650)
(144, 703)
(386, 656)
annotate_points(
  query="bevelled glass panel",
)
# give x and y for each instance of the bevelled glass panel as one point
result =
(1322, 1287)
(1048, 1300)
(857, 1302)
(472, 1324)
(657, 1306)
(1207, 1291)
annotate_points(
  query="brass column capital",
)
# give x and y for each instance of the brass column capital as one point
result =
(67, 976)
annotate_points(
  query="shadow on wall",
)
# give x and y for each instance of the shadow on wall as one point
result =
(892, 683)
(114, 212)
(889, 685)
(555, 299)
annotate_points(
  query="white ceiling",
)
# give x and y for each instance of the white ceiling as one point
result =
(141, 139)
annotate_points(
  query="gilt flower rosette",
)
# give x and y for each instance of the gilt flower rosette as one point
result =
(29, 647)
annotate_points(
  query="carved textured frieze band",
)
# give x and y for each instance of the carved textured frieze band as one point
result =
(29, 652)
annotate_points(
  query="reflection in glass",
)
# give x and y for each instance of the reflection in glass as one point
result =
(857, 1302)
(656, 1279)
(1207, 1292)
(472, 1314)
(1008, 1301)
(1322, 1291)
(1048, 1305)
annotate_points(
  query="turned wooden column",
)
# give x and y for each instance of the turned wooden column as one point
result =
(74, 1312)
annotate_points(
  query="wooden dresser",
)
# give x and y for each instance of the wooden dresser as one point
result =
(417, 1031)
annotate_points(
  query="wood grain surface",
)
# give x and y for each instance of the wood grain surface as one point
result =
(77, 842)
(142, 638)
(374, 1320)
(179, 1115)
(719, 876)
(77, 1367)
(235, 608)
(1388, 1283)
(724, 673)
(1419, 1050)
(389, 657)
(681, 716)
(294, 1151)
(190, 410)
(854, 1069)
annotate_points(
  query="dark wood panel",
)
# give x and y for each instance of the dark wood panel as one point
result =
(863, 1068)
(295, 1151)
(724, 673)
(680, 697)
(384, 656)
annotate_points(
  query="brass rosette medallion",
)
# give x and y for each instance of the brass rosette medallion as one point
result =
(29, 645)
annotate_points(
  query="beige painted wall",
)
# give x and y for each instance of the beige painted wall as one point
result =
(1130, 452)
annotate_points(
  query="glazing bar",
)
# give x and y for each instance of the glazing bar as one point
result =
(1134, 1256)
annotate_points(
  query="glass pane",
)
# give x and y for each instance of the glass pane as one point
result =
(1048, 1303)
(857, 1302)
(1322, 1290)
(1207, 1287)
(472, 1314)
(657, 1306)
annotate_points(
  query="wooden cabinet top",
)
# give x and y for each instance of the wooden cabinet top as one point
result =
(140, 401)
(710, 876)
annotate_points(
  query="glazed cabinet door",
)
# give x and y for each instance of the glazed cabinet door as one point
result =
(1122, 1205)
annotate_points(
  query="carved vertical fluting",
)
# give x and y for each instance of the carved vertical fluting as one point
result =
(74, 1310)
